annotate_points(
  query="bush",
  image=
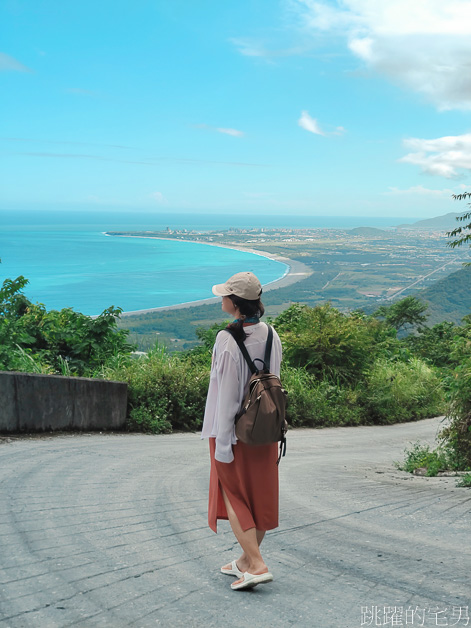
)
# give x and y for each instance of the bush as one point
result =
(312, 403)
(420, 456)
(165, 392)
(201, 355)
(457, 435)
(402, 391)
(465, 481)
(435, 344)
(329, 344)
(58, 341)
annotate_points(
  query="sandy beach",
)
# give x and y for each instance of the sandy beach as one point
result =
(296, 271)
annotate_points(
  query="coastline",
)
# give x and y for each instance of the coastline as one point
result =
(296, 271)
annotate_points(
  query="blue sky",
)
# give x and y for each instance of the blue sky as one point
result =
(298, 107)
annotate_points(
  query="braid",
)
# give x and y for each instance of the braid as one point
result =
(247, 309)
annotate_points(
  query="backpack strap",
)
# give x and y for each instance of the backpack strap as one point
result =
(245, 353)
(266, 359)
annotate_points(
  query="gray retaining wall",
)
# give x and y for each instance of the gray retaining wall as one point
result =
(30, 403)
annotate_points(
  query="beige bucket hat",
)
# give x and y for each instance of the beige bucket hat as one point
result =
(244, 285)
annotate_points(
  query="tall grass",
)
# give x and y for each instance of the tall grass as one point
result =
(313, 403)
(402, 391)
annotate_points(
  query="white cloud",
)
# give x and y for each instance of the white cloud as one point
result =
(8, 63)
(159, 197)
(309, 124)
(233, 132)
(224, 131)
(424, 45)
(420, 190)
(447, 157)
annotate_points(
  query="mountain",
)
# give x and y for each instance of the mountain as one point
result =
(449, 299)
(446, 222)
(369, 231)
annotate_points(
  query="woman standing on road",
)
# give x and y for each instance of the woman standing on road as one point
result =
(243, 484)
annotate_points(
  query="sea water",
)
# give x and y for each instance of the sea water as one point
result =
(70, 261)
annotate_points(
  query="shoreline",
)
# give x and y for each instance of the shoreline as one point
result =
(295, 271)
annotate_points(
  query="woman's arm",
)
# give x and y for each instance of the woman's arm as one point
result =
(228, 405)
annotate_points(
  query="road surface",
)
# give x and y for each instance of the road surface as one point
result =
(110, 530)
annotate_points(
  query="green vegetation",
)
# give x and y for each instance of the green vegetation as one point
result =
(465, 481)
(449, 299)
(453, 355)
(408, 312)
(331, 345)
(339, 368)
(458, 433)
(421, 457)
(63, 342)
(463, 231)
(402, 391)
(165, 392)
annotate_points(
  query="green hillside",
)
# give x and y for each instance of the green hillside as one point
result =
(448, 222)
(449, 298)
(369, 231)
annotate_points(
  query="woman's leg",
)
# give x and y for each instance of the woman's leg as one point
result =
(249, 540)
(243, 561)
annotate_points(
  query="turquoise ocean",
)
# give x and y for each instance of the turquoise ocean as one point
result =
(70, 262)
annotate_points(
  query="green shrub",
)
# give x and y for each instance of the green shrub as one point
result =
(330, 344)
(435, 344)
(465, 481)
(457, 434)
(402, 391)
(312, 403)
(420, 456)
(60, 341)
(165, 392)
(455, 438)
(202, 354)
(23, 361)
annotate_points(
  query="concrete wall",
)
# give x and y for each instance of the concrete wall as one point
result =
(30, 402)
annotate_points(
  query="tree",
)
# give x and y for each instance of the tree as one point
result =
(330, 344)
(58, 336)
(464, 231)
(435, 344)
(406, 312)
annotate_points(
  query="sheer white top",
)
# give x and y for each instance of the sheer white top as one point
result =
(228, 383)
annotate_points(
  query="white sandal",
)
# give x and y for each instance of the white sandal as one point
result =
(250, 580)
(233, 571)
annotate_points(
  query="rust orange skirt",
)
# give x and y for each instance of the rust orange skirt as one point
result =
(250, 482)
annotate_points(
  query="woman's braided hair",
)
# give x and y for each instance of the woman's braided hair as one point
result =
(247, 309)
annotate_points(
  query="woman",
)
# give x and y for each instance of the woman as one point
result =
(243, 483)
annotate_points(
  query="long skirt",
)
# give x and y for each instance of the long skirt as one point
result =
(250, 482)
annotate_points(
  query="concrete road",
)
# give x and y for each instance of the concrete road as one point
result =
(110, 530)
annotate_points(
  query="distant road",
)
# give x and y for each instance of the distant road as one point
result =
(331, 280)
(453, 261)
(110, 531)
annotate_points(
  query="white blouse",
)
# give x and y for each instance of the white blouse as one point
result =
(228, 384)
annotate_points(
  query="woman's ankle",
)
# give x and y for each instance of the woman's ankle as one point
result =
(257, 567)
(243, 562)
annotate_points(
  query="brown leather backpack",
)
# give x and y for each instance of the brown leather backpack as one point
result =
(261, 420)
